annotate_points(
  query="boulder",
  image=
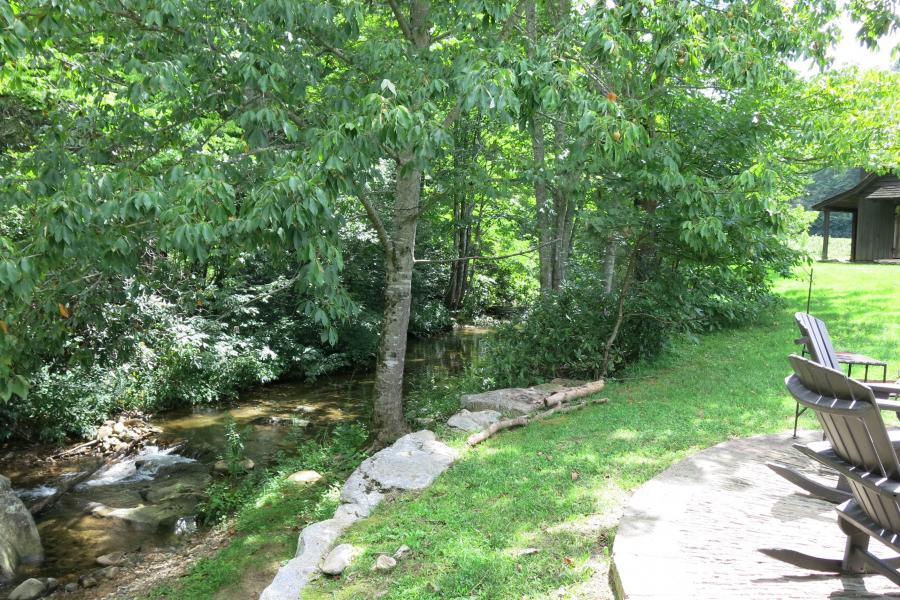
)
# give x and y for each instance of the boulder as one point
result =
(514, 401)
(19, 539)
(339, 559)
(410, 463)
(473, 421)
(145, 517)
(29, 590)
(304, 477)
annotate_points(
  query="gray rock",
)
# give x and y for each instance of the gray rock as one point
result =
(315, 541)
(28, 590)
(410, 463)
(19, 539)
(339, 559)
(473, 421)
(110, 572)
(384, 563)
(401, 552)
(71, 587)
(87, 581)
(112, 559)
(516, 401)
(304, 477)
(50, 583)
(145, 518)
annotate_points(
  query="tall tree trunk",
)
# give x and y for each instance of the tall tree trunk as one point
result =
(541, 195)
(389, 421)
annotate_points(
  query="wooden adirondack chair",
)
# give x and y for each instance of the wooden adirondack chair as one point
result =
(858, 447)
(817, 342)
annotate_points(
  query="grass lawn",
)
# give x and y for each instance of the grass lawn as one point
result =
(558, 485)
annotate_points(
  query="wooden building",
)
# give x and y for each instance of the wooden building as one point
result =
(875, 205)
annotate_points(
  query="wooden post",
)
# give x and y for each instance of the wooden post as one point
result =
(854, 222)
(826, 231)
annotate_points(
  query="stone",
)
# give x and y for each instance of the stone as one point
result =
(305, 477)
(19, 539)
(152, 517)
(410, 463)
(112, 559)
(104, 432)
(28, 590)
(514, 401)
(220, 466)
(401, 552)
(339, 559)
(315, 540)
(384, 563)
(71, 587)
(87, 581)
(50, 583)
(473, 421)
(110, 572)
(119, 428)
(248, 465)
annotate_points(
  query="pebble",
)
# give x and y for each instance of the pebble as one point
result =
(111, 559)
(401, 552)
(305, 477)
(385, 562)
(87, 581)
(71, 587)
(110, 572)
(339, 559)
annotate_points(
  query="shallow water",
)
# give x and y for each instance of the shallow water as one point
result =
(74, 533)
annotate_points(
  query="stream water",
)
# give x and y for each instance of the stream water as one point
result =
(146, 501)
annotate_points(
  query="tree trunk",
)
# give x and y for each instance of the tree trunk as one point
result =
(541, 195)
(389, 421)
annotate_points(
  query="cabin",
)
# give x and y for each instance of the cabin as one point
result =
(874, 204)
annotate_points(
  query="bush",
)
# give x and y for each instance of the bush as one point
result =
(564, 333)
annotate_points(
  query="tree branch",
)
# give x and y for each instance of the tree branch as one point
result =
(502, 256)
(401, 21)
(377, 223)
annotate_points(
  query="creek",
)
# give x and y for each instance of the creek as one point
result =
(148, 500)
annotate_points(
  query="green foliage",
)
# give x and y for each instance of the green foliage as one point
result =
(565, 334)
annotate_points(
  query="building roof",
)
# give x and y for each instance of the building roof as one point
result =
(871, 186)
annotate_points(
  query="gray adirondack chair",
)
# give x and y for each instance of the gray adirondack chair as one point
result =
(818, 344)
(858, 447)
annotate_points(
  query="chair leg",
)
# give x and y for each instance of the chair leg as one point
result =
(797, 413)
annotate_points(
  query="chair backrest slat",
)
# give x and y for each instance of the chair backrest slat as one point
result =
(816, 339)
(852, 423)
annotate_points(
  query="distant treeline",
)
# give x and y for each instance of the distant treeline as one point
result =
(827, 183)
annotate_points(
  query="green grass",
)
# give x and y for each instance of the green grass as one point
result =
(558, 484)
(838, 248)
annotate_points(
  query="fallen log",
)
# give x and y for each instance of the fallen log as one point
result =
(477, 438)
(574, 393)
(75, 449)
(45, 503)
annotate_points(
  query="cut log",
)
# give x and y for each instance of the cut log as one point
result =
(477, 438)
(574, 393)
